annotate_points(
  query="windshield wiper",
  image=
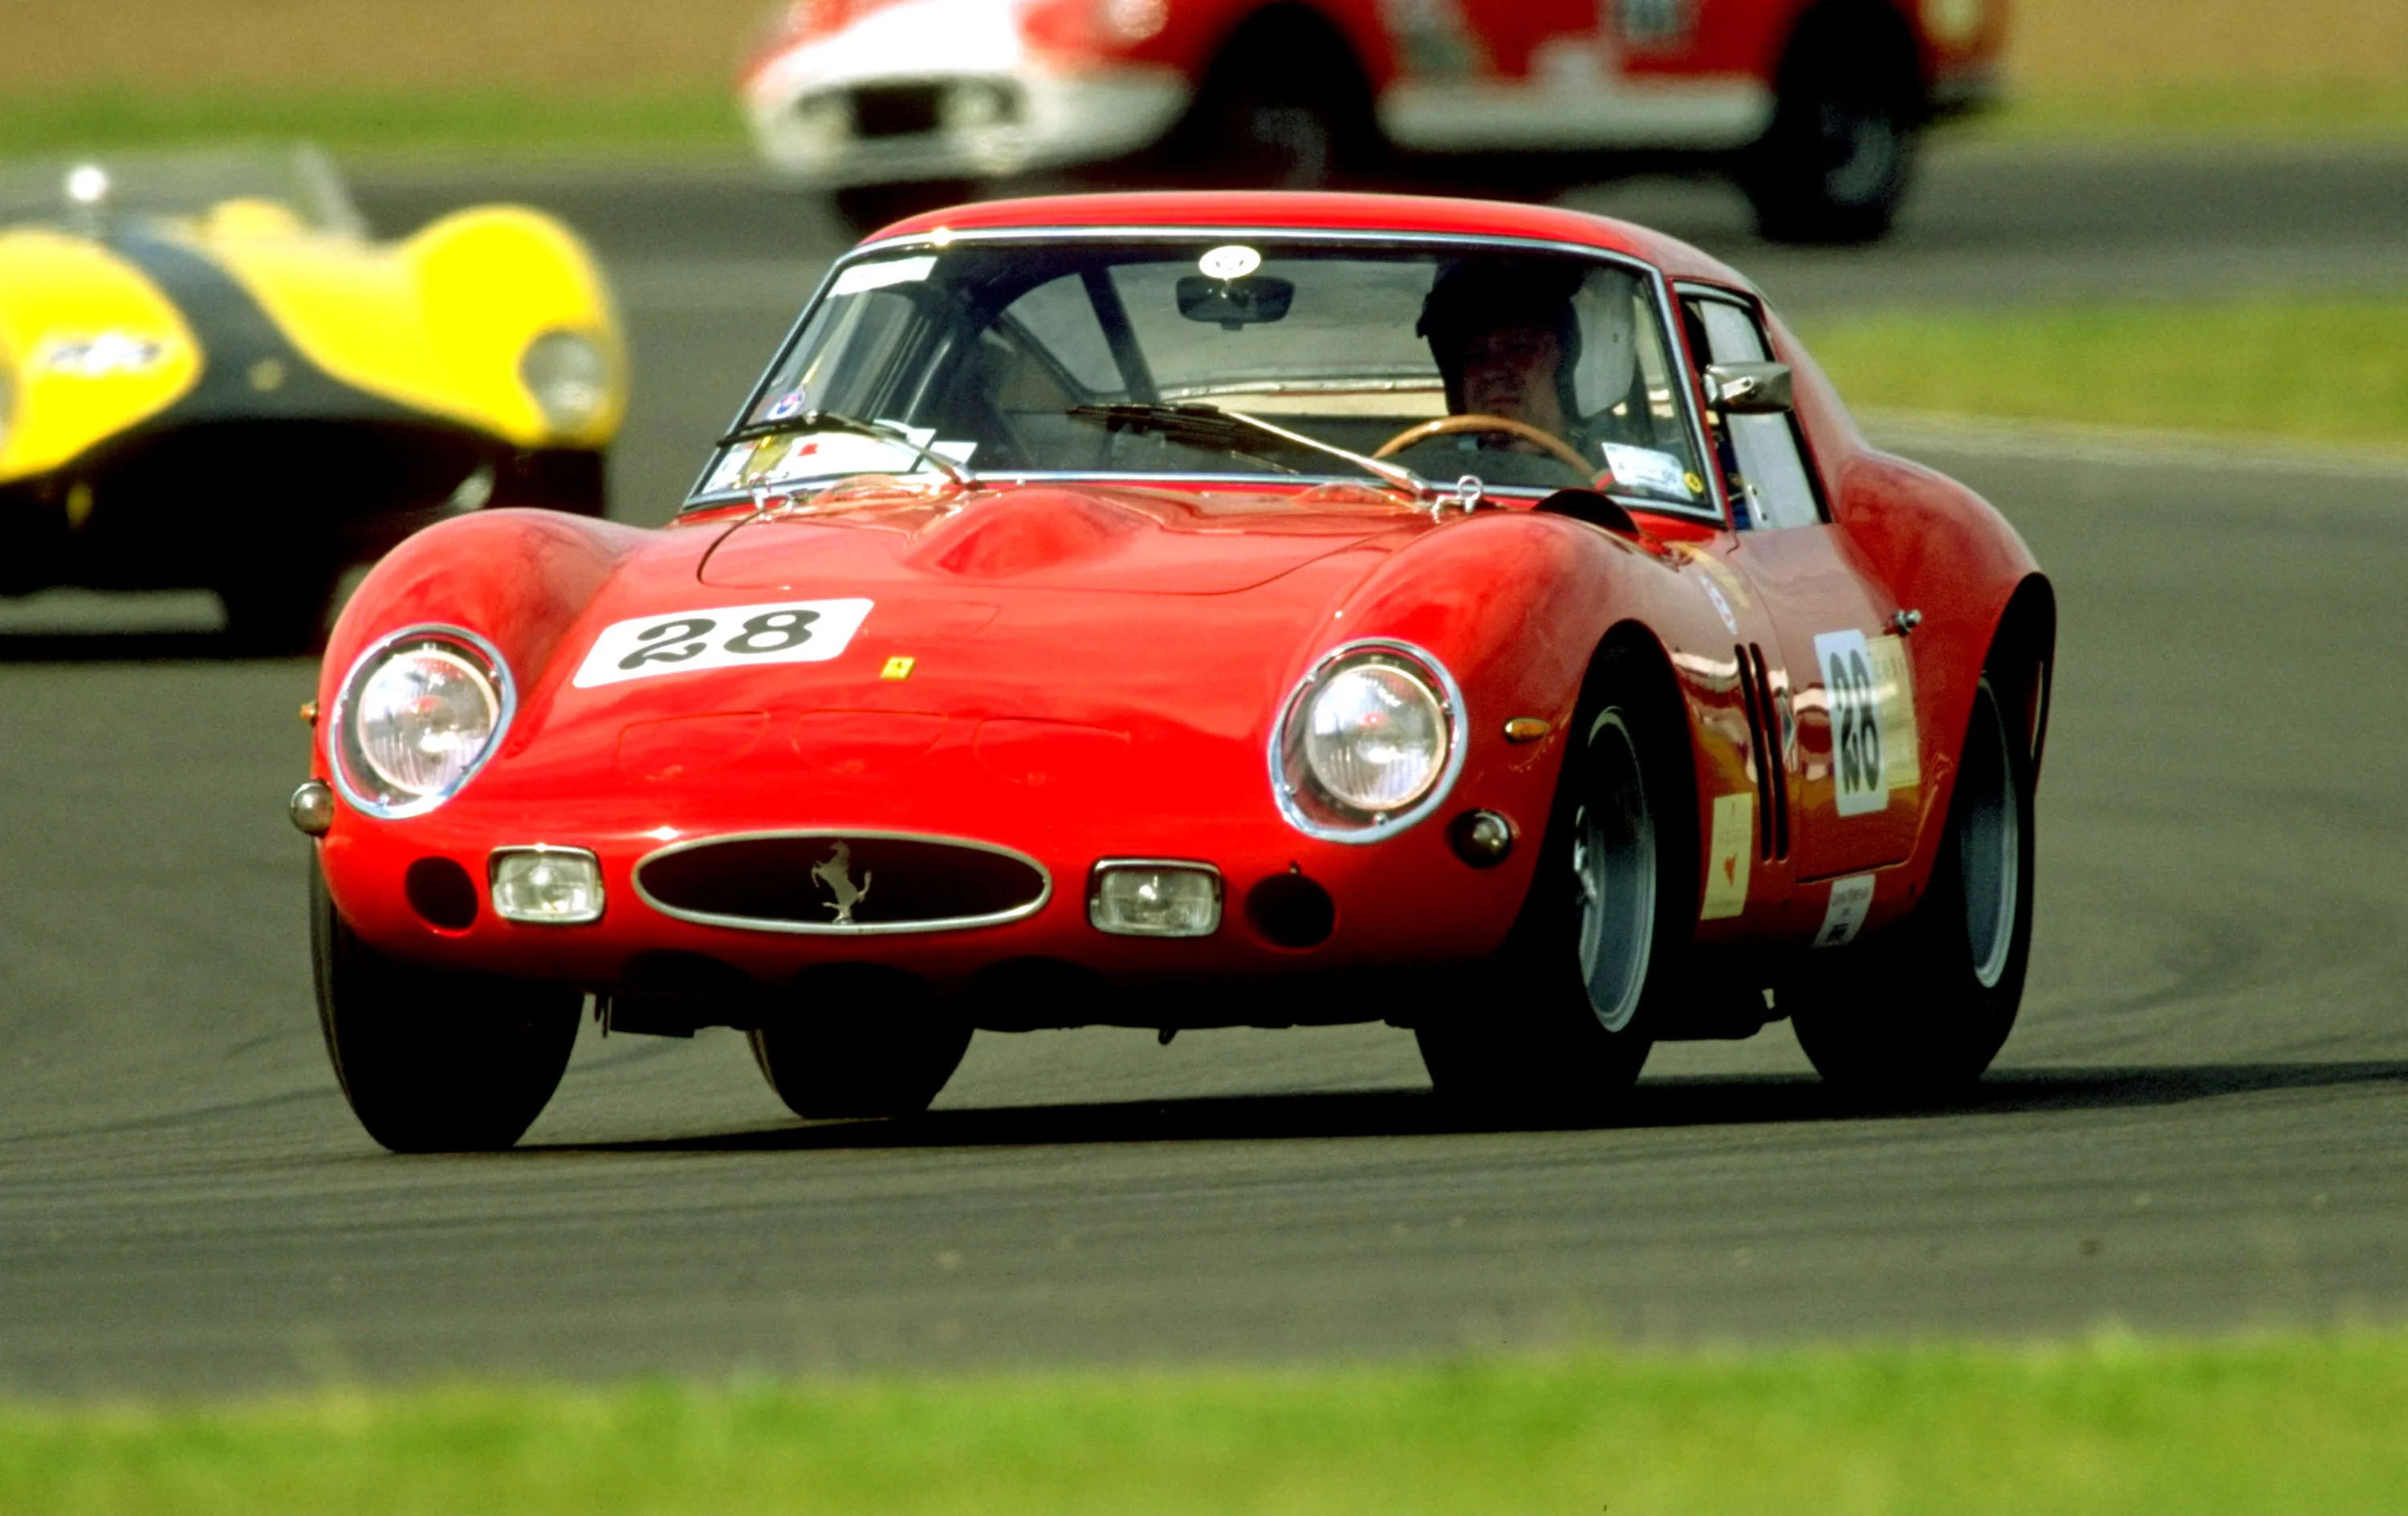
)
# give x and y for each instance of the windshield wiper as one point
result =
(1211, 426)
(829, 421)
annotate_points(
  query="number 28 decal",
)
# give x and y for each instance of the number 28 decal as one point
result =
(723, 637)
(1874, 746)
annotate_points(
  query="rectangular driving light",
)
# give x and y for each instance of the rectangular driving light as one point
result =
(542, 886)
(1155, 898)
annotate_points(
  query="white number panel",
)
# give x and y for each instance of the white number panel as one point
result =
(723, 637)
(1873, 743)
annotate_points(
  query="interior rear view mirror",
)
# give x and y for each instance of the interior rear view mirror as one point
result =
(1749, 389)
(1235, 302)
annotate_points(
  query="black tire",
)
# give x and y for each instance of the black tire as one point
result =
(871, 1046)
(435, 1060)
(574, 479)
(1285, 107)
(1917, 1012)
(1835, 163)
(1588, 974)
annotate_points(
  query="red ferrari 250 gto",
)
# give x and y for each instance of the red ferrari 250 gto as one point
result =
(1178, 611)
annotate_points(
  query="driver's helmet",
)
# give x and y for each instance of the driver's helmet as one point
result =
(1475, 295)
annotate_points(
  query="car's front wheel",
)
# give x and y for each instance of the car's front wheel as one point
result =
(435, 1060)
(1564, 1024)
(860, 1045)
(1917, 1012)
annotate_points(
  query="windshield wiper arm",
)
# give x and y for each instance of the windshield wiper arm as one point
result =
(1211, 423)
(829, 421)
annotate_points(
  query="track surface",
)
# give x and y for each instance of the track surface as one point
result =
(2201, 1122)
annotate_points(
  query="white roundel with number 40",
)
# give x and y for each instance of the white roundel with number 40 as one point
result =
(723, 637)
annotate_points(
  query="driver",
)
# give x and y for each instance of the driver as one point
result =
(1507, 341)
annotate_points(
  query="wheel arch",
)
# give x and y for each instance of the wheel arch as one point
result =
(2021, 663)
(1631, 649)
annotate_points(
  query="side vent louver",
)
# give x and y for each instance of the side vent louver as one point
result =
(1764, 740)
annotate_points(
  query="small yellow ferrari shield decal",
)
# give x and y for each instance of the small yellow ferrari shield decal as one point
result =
(1727, 858)
(897, 668)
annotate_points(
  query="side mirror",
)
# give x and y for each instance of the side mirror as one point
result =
(1749, 389)
(1235, 302)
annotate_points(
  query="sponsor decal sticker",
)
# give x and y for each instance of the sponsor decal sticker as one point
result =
(100, 356)
(1869, 692)
(722, 637)
(1727, 862)
(1721, 606)
(1646, 468)
(1851, 899)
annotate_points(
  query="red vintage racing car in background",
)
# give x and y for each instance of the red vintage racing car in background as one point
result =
(1198, 609)
(1814, 105)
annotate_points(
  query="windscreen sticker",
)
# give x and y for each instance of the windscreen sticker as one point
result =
(1236, 261)
(1851, 899)
(861, 276)
(780, 460)
(1871, 696)
(722, 637)
(1726, 863)
(1646, 468)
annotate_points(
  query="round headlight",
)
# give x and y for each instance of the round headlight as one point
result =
(419, 715)
(1375, 737)
(1369, 744)
(570, 377)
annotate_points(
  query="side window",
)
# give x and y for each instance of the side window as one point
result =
(1771, 484)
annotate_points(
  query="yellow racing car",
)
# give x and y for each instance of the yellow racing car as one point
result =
(212, 376)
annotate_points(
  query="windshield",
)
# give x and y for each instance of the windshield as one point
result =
(107, 191)
(1248, 357)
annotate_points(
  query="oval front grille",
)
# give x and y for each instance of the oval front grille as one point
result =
(843, 882)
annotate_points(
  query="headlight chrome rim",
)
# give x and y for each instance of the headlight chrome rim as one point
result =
(460, 644)
(1305, 802)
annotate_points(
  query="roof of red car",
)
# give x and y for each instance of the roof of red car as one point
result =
(1322, 210)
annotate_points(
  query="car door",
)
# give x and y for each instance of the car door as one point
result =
(1843, 691)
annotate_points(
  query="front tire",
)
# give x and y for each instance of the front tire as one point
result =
(435, 1060)
(1918, 1013)
(1585, 976)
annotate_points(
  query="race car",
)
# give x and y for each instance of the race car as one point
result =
(1813, 105)
(1204, 609)
(212, 376)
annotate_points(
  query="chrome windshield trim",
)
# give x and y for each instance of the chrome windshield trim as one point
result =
(754, 924)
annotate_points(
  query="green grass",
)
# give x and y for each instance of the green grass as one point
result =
(2272, 112)
(374, 119)
(2307, 1423)
(2330, 371)
(704, 116)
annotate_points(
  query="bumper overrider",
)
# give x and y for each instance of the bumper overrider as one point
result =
(1041, 897)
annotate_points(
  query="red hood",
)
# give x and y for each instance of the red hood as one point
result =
(1038, 622)
(1057, 536)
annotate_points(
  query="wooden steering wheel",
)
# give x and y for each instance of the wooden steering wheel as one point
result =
(1478, 421)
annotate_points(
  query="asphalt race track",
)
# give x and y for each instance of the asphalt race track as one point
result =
(2201, 1122)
